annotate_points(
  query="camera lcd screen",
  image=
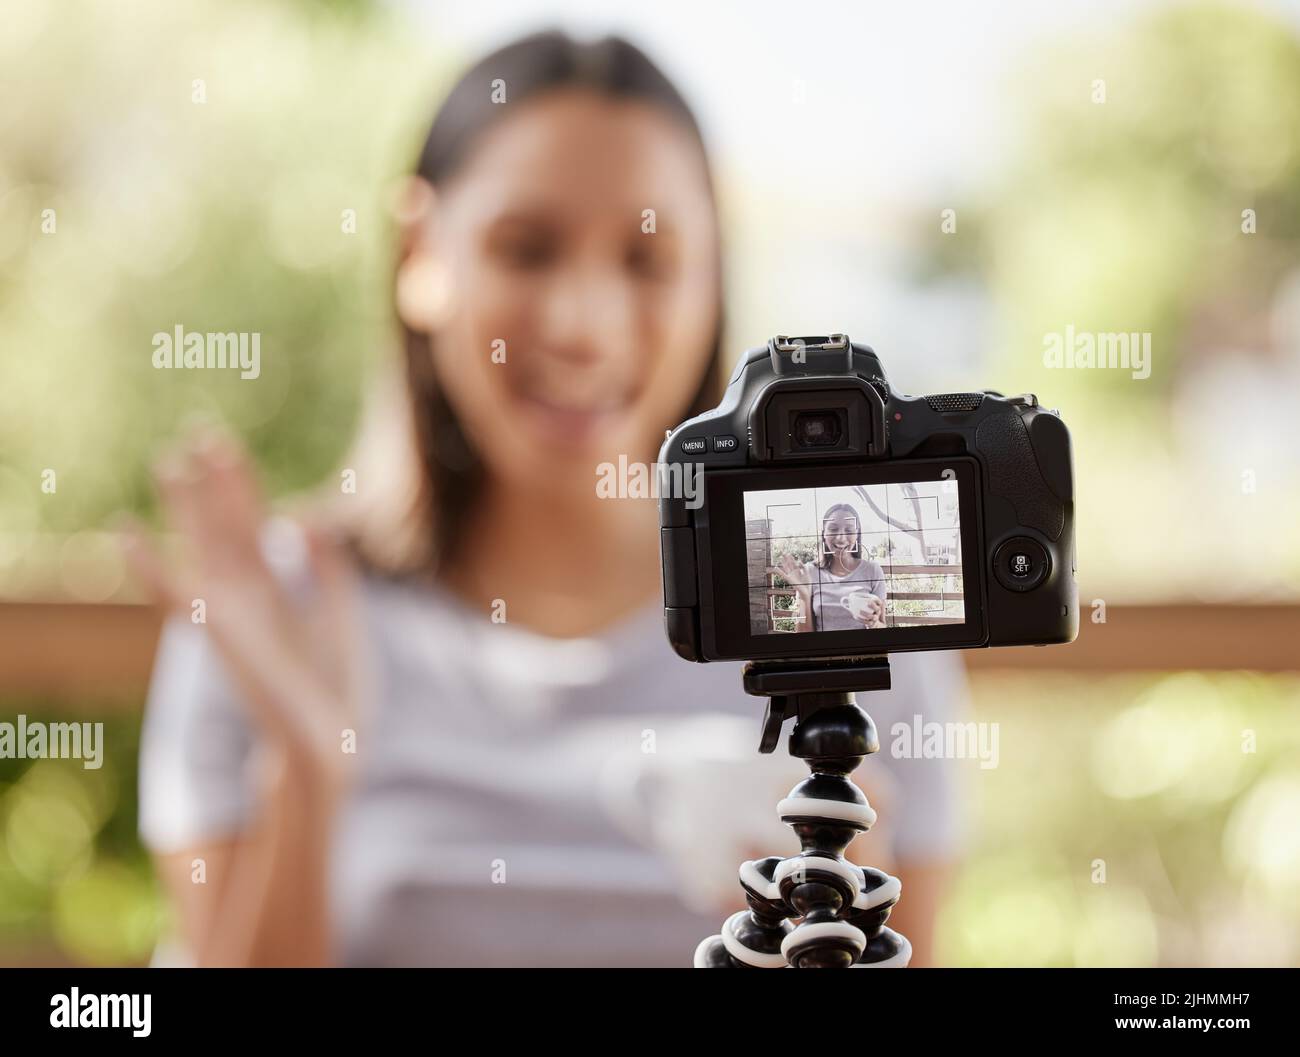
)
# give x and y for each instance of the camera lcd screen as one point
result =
(854, 557)
(841, 560)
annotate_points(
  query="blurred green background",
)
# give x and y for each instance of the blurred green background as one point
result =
(1147, 821)
(1126, 215)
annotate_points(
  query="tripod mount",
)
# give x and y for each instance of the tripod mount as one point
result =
(815, 910)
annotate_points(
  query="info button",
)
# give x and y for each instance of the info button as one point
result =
(724, 444)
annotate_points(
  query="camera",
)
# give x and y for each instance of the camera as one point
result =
(835, 518)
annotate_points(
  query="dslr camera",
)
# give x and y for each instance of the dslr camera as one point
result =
(835, 518)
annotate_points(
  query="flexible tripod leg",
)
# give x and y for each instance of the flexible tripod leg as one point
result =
(841, 908)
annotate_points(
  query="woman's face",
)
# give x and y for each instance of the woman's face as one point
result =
(840, 533)
(571, 325)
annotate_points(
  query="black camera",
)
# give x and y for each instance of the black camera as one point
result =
(818, 514)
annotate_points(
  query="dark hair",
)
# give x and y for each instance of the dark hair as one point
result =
(823, 558)
(451, 473)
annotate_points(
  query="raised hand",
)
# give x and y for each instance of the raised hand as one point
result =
(296, 663)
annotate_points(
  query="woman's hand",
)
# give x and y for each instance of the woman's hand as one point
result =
(870, 612)
(298, 668)
(874, 610)
(791, 570)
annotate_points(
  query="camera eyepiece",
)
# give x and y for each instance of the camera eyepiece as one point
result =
(818, 429)
(814, 402)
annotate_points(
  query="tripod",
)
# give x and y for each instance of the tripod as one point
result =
(841, 908)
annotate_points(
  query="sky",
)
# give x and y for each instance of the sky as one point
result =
(779, 84)
(835, 130)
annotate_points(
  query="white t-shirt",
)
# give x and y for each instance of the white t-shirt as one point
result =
(523, 800)
(829, 593)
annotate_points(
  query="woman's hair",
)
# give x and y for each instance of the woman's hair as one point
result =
(823, 554)
(436, 500)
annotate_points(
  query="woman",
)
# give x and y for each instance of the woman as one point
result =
(431, 745)
(841, 590)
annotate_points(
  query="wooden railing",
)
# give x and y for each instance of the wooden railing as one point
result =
(104, 652)
(917, 596)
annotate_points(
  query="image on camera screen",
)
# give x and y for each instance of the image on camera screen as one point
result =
(854, 557)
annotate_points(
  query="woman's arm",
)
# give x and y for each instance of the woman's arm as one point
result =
(263, 896)
(925, 883)
(297, 676)
(879, 589)
(804, 622)
(792, 571)
(924, 880)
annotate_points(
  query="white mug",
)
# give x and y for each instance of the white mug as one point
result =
(856, 602)
(706, 800)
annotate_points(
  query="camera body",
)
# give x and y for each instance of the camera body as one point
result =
(832, 517)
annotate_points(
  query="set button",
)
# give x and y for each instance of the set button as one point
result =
(1021, 564)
